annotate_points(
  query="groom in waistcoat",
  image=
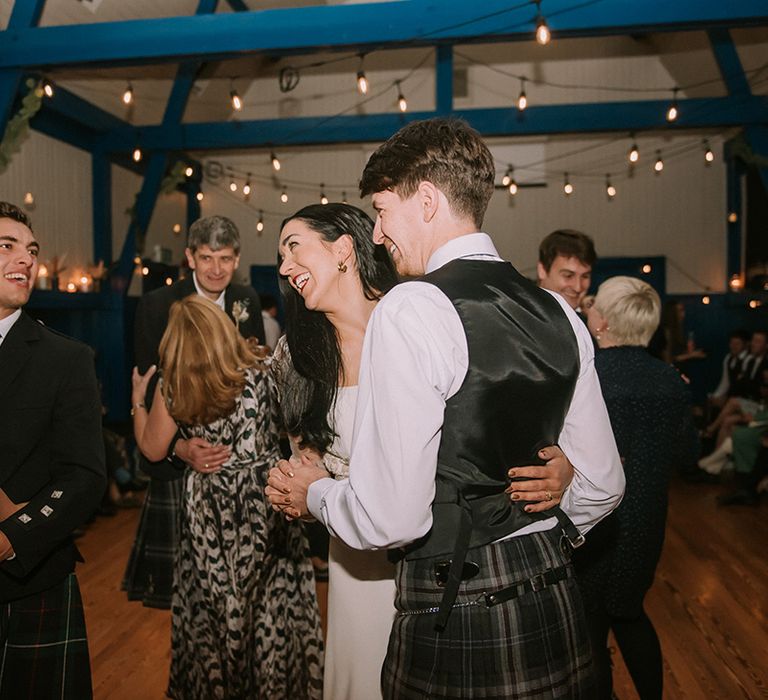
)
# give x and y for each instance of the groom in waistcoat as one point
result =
(465, 372)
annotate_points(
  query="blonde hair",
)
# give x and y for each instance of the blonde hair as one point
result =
(203, 359)
(631, 309)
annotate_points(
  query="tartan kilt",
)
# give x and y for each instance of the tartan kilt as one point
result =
(534, 646)
(149, 573)
(44, 646)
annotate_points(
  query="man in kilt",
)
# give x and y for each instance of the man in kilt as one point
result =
(52, 477)
(468, 371)
(213, 254)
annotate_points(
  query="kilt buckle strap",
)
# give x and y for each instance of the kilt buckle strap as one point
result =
(534, 584)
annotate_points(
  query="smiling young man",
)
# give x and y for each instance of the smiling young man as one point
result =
(465, 371)
(52, 478)
(566, 259)
(213, 254)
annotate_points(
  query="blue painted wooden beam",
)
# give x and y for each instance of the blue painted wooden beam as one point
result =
(64, 129)
(101, 186)
(444, 80)
(358, 27)
(549, 119)
(238, 5)
(25, 14)
(67, 104)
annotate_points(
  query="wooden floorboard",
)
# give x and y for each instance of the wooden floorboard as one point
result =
(709, 604)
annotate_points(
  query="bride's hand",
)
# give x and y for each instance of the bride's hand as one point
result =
(139, 383)
(278, 485)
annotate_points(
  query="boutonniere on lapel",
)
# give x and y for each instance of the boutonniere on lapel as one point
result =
(240, 312)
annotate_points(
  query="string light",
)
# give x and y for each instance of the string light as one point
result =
(137, 260)
(733, 217)
(736, 284)
(29, 199)
(177, 229)
(610, 190)
(323, 198)
(232, 186)
(344, 198)
(754, 303)
(275, 161)
(128, 95)
(709, 156)
(190, 171)
(543, 35)
(658, 166)
(507, 177)
(362, 81)
(634, 153)
(137, 154)
(402, 103)
(144, 271)
(522, 100)
(513, 187)
(646, 269)
(567, 186)
(260, 222)
(705, 299)
(284, 196)
(247, 186)
(673, 111)
(48, 88)
(168, 281)
(237, 101)
(199, 196)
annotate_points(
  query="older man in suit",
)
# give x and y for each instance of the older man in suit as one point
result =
(213, 254)
(51, 479)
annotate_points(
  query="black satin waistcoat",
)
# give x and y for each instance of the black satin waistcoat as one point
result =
(523, 366)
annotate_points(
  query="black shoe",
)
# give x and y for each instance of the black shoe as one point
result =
(739, 497)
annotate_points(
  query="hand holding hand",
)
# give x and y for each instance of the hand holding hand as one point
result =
(289, 482)
(201, 455)
(542, 486)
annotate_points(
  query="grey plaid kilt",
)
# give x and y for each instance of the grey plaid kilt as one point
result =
(149, 574)
(44, 646)
(534, 646)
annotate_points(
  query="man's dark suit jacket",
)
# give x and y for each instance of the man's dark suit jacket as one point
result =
(51, 453)
(149, 326)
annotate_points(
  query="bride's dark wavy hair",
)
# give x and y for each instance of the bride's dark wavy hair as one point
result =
(309, 396)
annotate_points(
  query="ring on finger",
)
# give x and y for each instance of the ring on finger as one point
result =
(548, 495)
(205, 466)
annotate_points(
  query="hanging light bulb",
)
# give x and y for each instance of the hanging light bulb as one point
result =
(402, 103)
(237, 101)
(362, 81)
(673, 111)
(522, 100)
(735, 283)
(705, 299)
(344, 198)
(733, 217)
(29, 199)
(567, 186)
(323, 198)
(284, 196)
(634, 153)
(232, 186)
(507, 177)
(189, 171)
(658, 166)
(48, 88)
(128, 95)
(610, 190)
(513, 187)
(199, 196)
(137, 154)
(177, 229)
(275, 161)
(260, 222)
(543, 35)
(247, 186)
(709, 156)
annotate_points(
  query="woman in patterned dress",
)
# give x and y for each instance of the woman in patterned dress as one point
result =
(245, 622)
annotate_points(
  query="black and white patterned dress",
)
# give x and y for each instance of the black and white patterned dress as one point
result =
(245, 622)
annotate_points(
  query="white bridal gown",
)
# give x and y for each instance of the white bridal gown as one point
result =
(361, 591)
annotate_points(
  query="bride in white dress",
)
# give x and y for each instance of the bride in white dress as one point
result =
(333, 274)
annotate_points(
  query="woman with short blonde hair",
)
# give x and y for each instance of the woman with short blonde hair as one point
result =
(627, 312)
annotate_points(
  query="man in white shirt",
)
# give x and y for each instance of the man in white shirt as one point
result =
(464, 372)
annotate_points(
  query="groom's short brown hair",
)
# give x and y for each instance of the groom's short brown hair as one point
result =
(446, 152)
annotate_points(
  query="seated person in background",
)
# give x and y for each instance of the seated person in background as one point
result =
(747, 392)
(566, 259)
(733, 362)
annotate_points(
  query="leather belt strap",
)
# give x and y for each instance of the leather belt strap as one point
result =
(536, 583)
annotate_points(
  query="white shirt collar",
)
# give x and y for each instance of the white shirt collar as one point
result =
(471, 245)
(219, 302)
(7, 323)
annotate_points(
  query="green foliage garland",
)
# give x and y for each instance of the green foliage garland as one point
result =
(17, 129)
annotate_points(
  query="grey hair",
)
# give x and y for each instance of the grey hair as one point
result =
(631, 308)
(216, 232)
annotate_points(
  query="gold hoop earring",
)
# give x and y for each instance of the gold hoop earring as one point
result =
(342, 267)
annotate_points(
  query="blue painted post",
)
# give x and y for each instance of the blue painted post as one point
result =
(444, 80)
(734, 228)
(101, 183)
(26, 13)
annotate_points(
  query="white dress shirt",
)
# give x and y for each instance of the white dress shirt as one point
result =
(414, 358)
(7, 323)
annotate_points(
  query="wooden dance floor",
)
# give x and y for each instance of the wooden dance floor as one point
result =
(709, 604)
